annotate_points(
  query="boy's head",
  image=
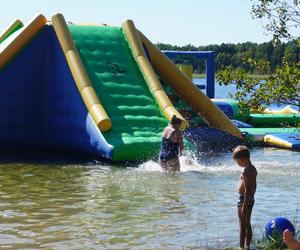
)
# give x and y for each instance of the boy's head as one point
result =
(175, 121)
(241, 155)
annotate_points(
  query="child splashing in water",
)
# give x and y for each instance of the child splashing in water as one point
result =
(171, 146)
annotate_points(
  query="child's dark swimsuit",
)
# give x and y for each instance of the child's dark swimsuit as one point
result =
(169, 149)
(242, 198)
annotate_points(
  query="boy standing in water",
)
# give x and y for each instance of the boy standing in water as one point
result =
(171, 146)
(246, 189)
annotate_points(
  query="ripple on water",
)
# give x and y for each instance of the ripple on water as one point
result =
(98, 205)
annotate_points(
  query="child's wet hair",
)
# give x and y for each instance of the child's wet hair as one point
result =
(241, 152)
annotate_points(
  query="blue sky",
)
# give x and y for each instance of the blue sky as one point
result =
(178, 22)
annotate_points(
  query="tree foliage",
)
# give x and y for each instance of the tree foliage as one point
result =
(280, 17)
(281, 87)
(232, 55)
(279, 60)
(283, 84)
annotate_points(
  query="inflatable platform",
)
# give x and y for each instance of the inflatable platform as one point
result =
(92, 89)
(276, 128)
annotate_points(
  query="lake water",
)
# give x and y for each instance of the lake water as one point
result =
(220, 91)
(92, 205)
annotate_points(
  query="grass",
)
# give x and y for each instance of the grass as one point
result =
(202, 76)
(275, 243)
(262, 77)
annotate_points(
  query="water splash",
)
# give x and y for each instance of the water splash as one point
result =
(267, 162)
(189, 164)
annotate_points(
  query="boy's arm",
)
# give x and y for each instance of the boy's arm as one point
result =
(180, 141)
(247, 187)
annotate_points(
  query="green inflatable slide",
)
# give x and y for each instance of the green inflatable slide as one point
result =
(123, 92)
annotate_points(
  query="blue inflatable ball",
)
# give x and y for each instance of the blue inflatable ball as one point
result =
(276, 226)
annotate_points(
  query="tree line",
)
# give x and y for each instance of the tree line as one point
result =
(233, 55)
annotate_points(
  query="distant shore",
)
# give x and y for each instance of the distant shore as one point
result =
(251, 75)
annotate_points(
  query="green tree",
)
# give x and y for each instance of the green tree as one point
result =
(292, 52)
(280, 17)
(233, 54)
(281, 87)
(283, 84)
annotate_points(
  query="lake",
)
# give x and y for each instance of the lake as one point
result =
(69, 204)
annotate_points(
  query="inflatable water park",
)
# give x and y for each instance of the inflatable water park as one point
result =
(108, 92)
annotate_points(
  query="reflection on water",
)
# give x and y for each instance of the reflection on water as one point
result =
(100, 206)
